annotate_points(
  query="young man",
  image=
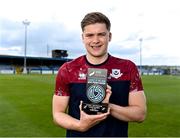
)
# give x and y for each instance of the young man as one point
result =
(125, 95)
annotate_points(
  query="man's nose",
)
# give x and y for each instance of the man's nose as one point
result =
(95, 39)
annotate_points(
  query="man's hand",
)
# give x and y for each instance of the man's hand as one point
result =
(108, 94)
(87, 121)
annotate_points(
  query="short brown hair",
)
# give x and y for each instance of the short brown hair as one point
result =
(95, 17)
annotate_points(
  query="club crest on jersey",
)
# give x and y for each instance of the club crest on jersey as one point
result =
(116, 73)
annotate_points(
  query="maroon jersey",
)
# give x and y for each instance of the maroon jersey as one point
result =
(123, 77)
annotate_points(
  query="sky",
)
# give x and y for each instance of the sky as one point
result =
(55, 24)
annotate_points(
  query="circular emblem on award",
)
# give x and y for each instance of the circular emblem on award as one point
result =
(96, 93)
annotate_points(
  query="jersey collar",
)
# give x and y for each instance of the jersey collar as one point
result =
(96, 65)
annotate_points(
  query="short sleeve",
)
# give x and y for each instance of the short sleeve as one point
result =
(135, 82)
(62, 83)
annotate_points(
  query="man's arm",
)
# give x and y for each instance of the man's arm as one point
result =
(60, 104)
(136, 111)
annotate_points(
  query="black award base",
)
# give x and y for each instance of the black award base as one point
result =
(94, 108)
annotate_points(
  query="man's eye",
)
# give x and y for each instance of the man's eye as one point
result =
(89, 35)
(102, 34)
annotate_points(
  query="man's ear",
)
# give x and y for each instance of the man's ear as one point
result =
(110, 36)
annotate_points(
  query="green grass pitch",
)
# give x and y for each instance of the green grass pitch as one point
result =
(25, 107)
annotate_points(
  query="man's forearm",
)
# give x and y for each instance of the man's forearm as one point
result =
(66, 121)
(129, 113)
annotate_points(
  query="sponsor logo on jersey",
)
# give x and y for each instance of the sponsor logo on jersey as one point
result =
(82, 76)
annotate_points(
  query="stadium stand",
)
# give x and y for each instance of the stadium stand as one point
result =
(42, 65)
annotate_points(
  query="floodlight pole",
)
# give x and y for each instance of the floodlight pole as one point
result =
(26, 23)
(47, 50)
(140, 46)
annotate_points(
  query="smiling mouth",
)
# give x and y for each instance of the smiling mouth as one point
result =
(95, 47)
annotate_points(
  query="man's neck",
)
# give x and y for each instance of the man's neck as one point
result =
(96, 60)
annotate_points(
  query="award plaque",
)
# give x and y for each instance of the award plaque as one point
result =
(96, 91)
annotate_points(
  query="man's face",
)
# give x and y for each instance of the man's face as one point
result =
(96, 38)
